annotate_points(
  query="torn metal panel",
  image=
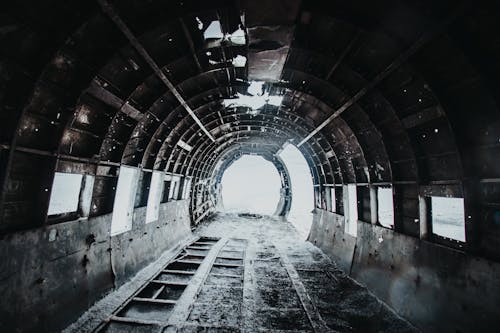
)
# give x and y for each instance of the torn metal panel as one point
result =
(270, 33)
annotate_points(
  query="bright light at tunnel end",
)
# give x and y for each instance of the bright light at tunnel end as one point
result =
(252, 185)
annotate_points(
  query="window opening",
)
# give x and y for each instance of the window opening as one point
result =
(351, 218)
(385, 208)
(154, 197)
(448, 217)
(123, 206)
(65, 194)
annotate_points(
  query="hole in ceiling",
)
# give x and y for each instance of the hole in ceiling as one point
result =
(255, 98)
(239, 61)
(213, 31)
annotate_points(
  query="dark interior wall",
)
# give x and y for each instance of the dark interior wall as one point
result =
(51, 275)
(146, 242)
(437, 288)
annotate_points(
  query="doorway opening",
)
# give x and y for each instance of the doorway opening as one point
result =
(251, 185)
(302, 189)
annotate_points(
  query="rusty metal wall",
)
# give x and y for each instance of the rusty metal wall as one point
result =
(50, 276)
(437, 288)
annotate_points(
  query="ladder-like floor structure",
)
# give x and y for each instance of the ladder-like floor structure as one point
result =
(250, 275)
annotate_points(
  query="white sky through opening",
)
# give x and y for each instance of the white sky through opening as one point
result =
(65, 193)
(251, 185)
(448, 217)
(302, 189)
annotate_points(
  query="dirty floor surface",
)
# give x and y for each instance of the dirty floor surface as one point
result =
(249, 274)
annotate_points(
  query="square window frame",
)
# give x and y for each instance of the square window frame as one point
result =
(446, 241)
(79, 212)
(378, 187)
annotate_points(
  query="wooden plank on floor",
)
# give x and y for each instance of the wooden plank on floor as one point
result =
(174, 271)
(135, 321)
(182, 309)
(190, 247)
(153, 300)
(227, 275)
(218, 264)
(170, 282)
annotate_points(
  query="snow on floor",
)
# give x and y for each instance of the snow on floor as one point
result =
(262, 277)
(101, 310)
(286, 269)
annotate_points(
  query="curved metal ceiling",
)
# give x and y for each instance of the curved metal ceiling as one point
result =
(372, 93)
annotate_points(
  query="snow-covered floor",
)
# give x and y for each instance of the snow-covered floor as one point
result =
(275, 282)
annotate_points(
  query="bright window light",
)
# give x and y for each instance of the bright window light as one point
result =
(123, 207)
(333, 201)
(448, 217)
(154, 196)
(302, 189)
(251, 185)
(351, 221)
(65, 193)
(385, 207)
